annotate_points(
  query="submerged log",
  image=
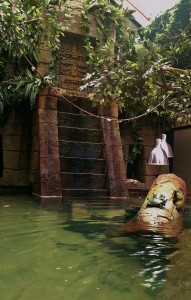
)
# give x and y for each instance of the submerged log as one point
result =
(162, 207)
(164, 201)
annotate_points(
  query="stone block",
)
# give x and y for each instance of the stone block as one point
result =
(128, 140)
(50, 177)
(66, 82)
(22, 178)
(146, 151)
(164, 170)
(48, 132)
(149, 170)
(44, 46)
(48, 102)
(13, 118)
(11, 160)
(34, 162)
(6, 182)
(9, 175)
(44, 91)
(148, 140)
(16, 143)
(36, 177)
(34, 143)
(42, 69)
(12, 129)
(14, 160)
(31, 177)
(148, 180)
(125, 130)
(47, 116)
(34, 129)
(92, 25)
(25, 144)
(148, 127)
(45, 55)
(48, 148)
(77, 81)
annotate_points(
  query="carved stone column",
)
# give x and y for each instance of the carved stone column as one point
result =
(113, 151)
(49, 185)
(49, 162)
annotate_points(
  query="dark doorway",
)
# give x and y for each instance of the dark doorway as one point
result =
(134, 166)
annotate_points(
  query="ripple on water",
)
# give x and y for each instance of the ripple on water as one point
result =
(78, 254)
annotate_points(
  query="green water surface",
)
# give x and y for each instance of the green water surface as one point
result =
(77, 253)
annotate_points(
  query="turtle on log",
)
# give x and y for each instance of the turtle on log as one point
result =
(161, 209)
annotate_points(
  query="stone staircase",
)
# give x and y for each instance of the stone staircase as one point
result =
(81, 150)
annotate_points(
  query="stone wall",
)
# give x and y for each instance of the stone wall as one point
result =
(30, 148)
(34, 173)
(71, 65)
(75, 26)
(44, 164)
(16, 149)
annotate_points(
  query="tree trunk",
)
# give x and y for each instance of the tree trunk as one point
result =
(113, 151)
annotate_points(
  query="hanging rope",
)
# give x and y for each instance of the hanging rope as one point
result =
(109, 119)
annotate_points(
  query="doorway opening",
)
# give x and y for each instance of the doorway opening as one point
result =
(133, 168)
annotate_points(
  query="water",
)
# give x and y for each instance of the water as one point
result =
(77, 253)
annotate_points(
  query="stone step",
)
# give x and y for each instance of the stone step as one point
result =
(85, 180)
(79, 103)
(81, 149)
(78, 120)
(82, 165)
(79, 134)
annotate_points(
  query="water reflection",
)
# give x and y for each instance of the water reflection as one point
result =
(153, 251)
(43, 253)
(143, 256)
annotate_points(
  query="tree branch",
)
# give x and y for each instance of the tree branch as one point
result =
(164, 83)
(33, 20)
(178, 70)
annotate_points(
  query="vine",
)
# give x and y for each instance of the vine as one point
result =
(131, 68)
(171, 33)
(123, 66)
(23, 26)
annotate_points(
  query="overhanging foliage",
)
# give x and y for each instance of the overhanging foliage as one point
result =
(23, 25)
(136, 70)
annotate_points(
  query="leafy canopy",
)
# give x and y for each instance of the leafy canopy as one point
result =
(138, 69)
(23, 25)
(134, 68)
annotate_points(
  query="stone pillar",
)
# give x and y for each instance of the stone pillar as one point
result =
(113, 152)
(49, 162)
(48, 182)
